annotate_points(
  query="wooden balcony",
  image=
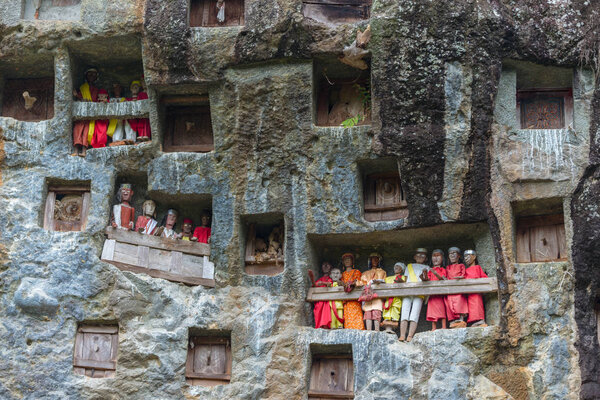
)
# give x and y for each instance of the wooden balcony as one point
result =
(430, 288)
(174, 260)
(127, 109)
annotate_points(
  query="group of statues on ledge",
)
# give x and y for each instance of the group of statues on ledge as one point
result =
(123, 217)
(369, 310)
(96, 133)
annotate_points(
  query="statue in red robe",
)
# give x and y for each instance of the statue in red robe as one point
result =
(100, 137)
(141, 126)
(146, 224)
(456, 304)
(202, 233)
(123, 213)
(475, 300)
(322, 309)
(436, 306)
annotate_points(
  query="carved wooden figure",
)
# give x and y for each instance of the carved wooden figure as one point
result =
(203, 232)
(393, 305)
(146, 224)
(474, 301)
(95, 352)
(208, 361)
(186, 229)
(372, 305)
(322, 309)
(141, 126)
(123, 213)
(167, 228)
(336, 306)
(411, 305)
(456, 304)
(436, 306)
(67, 208)
(331, 377)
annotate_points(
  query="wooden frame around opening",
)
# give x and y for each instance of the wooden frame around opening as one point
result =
(216, 345)
(53, 224)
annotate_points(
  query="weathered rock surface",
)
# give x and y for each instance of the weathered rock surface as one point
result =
(441, 99)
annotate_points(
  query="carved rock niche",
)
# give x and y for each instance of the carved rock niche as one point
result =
(213, 13)
(336, 11)
(208, 360)
(265, 244)
(188, 124)
(95, 352)
(383, 194)
(342, 93)
(67, 207)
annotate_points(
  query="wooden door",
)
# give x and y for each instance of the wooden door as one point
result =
(336, 11)
(189, 129)
(14, 104)
(67, 208)
(384, 198)
(331, 377)
(96, 351)
(204, 13)
(545, 108)
(209, 361)
(541, 239)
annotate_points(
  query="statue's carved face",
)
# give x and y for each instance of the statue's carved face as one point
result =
(126, 194)
(117, 89)
(347, 262)
(91, 76)
(420, 258)
(149, 208)
(454, 256)
(171, 219)
(187, 228)
(326, 268)
(103, 98)
(205, 220)
(374, 262)
(470, 259)
(336, 274)
(398, 269)
(436, 259)
(135, 89)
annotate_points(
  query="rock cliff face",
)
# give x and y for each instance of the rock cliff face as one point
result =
(443, 79)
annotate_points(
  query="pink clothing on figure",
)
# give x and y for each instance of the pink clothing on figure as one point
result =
(475, 301)
(436, 306)
(456, 304)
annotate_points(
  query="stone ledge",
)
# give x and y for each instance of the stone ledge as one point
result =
(126, 109)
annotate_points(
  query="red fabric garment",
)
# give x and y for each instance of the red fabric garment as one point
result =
(141, 222)
(202, 234)
(475, 301)
(436, 306)
(80, 132)
(456, 304)
(140, 125)
(322, 309)
(100, 137)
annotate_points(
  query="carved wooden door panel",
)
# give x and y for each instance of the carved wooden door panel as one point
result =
(541, 239)
(65, 3)
(545, 108)
(337, 11)
(190, 129)
(209, 361)
(331, 377)
(96, 351)
(67, 208)
(38, 103)
(204, 13)
(384, 198)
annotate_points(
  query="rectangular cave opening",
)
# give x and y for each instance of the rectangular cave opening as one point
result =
(336, 11)
(118, 62)
(188, 124)
(209, 359)
(95, 352)
(342, 94)
(264, 238)
(384, 198)
(540, 230)
(331, 372)
(27, 87)
(544, 95)
(400, 245)
(67, 205)
(63, 10)
(213, 13)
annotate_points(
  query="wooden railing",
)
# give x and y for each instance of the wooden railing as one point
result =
(429, 288)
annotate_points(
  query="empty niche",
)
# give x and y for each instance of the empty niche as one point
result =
(213, 13)
(67, 207)
(265, 243)
(188, 124)
(342, 93)
(331, 372)
(383, 195)
(95, 353)
(336, 11)
(540, 231)
(52, 9)
(544, 96)
(28, 88)
(209, 359)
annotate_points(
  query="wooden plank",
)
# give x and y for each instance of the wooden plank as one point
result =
(184, 100)
(108, 251)
(192, 265)
(197, 375)
(69, 189)
(85, 209)
(176, 263)
(315, 395)
(540, 220)
(109, 329)
(543, 243)
(126, 253)
(522, 243)
(266, 268)
(49, 211)
(429, 288)
(188, 280)
(83, 363)
(563, 251)
(143, 256)
(184, 246)
(160, 260)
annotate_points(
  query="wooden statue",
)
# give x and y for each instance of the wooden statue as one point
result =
(83, 130)
(123, 213)
(456, 304)
(202, 232)
(336, 306)
(436, 305)
(146, 224)
(141, 126)
(372, 306)
(186, 230)
(393, 305)
(411, 305)
(474, 301)
(353, 318)
(100, 136)
(116, 127)
(168, 225)
(322, 309)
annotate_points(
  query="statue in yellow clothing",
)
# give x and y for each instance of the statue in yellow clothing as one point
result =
(337, 306)
(393, 305)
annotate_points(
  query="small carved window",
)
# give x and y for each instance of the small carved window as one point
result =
(28, 99)
(265, 248)
(545, 109)
(541, 239)
(209, 13)
(331, 377)
(189, 126)
(96, 350)
(67, 208)
(336, 11)
(384, 197)
(208, 361)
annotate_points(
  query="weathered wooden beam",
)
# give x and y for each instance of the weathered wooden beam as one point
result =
(184, 246)
(155, 273)
(430, 288)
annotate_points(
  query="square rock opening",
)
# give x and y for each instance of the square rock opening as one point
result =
(331, 372)
(384, 198)
(188, 124)
(67, 206)
(215, 13)
(95, 353)
(265, 243)
(209, 358)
